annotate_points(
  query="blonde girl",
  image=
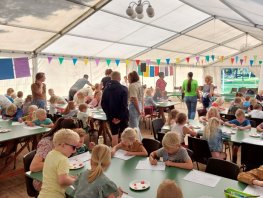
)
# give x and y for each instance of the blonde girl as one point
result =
(70, 110)
(93, 183)
(213, 134)
(148, 98)
(130, 143)
(253, 102)
(169, 189)
(181, 129)
(172, 117)
(31, 114)
(212, 112)
(218, 103)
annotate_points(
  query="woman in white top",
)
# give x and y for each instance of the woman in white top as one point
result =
(180, 128)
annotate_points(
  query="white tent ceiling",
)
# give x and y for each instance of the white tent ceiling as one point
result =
(179, 29)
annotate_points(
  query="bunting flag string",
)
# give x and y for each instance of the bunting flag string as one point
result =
(177, 60)
(255, 58)
(207, 58)
(260, 62)
(197, 58)
(241, 61)
(236, 59)
(187, 59)
(245, 59)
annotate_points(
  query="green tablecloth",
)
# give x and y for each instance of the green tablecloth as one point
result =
(123, 172)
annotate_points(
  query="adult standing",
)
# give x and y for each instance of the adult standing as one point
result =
(161, 82)
(208, 92)
(80, 83)
(190, 88)
(135, 101)
(39, 91)
(106, 79)
(114, 103)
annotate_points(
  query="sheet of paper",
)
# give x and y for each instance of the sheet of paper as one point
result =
(125, 196)
(121, 155)
(256, 141)
(32, 128)
(254, 190)
(84, 157)
(146, 165)
(17, 123)
(202, 178)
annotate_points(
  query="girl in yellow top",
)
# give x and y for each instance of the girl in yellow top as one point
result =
(31, 114)
(130, 144)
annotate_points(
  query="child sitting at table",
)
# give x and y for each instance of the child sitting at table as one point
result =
(212, 112)
(218, 103)
(256, 112)
(172, 152)
(240, 123)
(235, 106)
(172, 117)
(41, 120)
(148, 99)
(13, 113)
(31, 114)
(79, 98)
(70, 110)
(56, 176)
(95, 102)
(253, 102)
(169, 189)
(246, 103)
(9, 93)
(252, 177)
(19, 100)
(180, 128)
(83, 115)
(27, 103)
(130, 143)
(157, 95)
(213, 134)
(260, 127)
(93, 183)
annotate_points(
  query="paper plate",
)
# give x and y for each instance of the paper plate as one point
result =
(139, 184)
(76, 164)
(254, 135)
(4, 130)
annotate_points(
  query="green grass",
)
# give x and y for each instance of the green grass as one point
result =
(237, 83)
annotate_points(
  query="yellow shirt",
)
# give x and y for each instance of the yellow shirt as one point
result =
(55, 164)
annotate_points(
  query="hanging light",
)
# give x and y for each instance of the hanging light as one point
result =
(138, 12)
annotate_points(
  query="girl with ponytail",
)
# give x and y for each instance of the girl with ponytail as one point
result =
(93, 183)
(190, 88)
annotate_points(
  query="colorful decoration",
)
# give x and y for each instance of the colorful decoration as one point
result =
(251, 62)
(148, 61)
(108, 61)
(21, 67)
(232, 60)
(97, 61)
(7, 71)
(137, 62)
(168, 61)
(158, 61)
(60, 59)
(74, 60)
(86, 60)
(187, 59)
(117, 61)
(213, 57)
(49, 58)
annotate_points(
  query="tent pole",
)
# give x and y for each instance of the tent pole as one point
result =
(35, 66)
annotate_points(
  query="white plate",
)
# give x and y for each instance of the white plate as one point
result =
(4, 130)
(254, 135)
(196, 127)
(139, 184)
(76, 164)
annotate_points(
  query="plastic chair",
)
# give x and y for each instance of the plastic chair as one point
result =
(7, 149)
(150, 145)
(201, 150)
(157, 125)
(27, 159)
(250, 156)
(222, 168)
(149, 114)
(190, 153)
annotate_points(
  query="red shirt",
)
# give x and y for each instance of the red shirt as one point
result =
(161, 84)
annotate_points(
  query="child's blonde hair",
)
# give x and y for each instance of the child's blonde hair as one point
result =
(32, 108)
(169, 189)
(220, 101)
(172, 115)
(101, 158)
(65, 136)
(129, 134)
(211, 127)
(209, 78)
(212, 112)
(170, 140)
(239, 113)
(11, 110)
(40, 112)
(181, 118)
(80, 131)
(53, 99)
(148, 92)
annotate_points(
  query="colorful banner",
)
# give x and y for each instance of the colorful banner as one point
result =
(213, 57)
(166, 71)
(148, 61)
(127, 62)
(171, 70)
(21, 67)
(151, 71)
(6, 68)
(156, 71)
(137, 62)
(140, 73)
(147, 72)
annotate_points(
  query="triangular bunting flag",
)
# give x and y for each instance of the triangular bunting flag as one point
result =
(255, 58)
(60, 59)
(207, 58)
(177, 60)
(187, 59)
(241, 61)
(245, 59)
(108, 61)
(137, 62)
(74, 60)
(232, 60)
(168, 61)
(260, 62)
(251, 62)
(213, 57)
(148, 61)
(97, 61)
(127, 62)
(197, 58)
(236, 59)
(158, 61)
(86, 61)
(117, 61)
(49, 58)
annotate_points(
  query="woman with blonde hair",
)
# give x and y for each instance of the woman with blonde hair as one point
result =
(93, 183)
(214, 135)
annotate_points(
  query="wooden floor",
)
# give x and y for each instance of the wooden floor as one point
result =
(12, 183)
